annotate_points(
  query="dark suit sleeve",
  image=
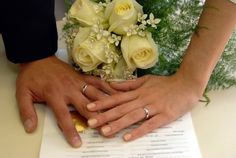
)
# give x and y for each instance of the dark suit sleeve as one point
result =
(28, 29)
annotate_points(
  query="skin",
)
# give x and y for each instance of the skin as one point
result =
(168, 98)
(55, 83)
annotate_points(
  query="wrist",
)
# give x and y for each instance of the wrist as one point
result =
(24, 65)
(198, 63)
(194, 79)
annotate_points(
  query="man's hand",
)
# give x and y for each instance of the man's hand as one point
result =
(55, 83)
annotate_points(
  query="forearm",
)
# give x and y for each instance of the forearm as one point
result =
(215, 27)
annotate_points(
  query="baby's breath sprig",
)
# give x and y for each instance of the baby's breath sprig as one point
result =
(110, 54)
(98, 32)
(114, 39)
(153, 21)
(142, 18)
(107, 72)
(142, 25)
(131, 30)
(70, 30)
(128, 74)
(104, 3)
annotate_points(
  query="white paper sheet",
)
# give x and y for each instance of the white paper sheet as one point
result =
(176, 140)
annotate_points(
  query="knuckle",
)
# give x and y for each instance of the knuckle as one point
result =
(68, 82)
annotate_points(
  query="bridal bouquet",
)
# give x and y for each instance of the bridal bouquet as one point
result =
(111, 39)
(115, 39)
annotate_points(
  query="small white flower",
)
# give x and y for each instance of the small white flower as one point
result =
(109, 57)
(114, 39)
(108, 53)
(131, 30)
(107, 71)
(128, 74)
(152, 21)
(117, 39)
(142, 17)
(142, 27)
(144, 22)
(99, 32)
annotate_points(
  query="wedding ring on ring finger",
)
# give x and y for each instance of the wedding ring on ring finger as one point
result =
(147, 113)
(85, 86)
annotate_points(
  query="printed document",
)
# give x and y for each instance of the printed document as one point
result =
(176, 140)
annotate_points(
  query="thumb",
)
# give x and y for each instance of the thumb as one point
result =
(26, 109)
(128, 85)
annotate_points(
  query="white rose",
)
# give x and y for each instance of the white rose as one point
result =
(139, 52)
(122, 14)
(87, 13)
(87, 54)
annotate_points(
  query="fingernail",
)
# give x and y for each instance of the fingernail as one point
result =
(106, 130)
(76, 141)
(127, 137)
(91, 105)
(28, 125)
(92, 122)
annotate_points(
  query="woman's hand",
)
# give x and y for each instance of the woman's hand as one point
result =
(54, 82)
(165, 98)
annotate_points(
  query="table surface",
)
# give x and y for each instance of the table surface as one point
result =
(214, 124)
